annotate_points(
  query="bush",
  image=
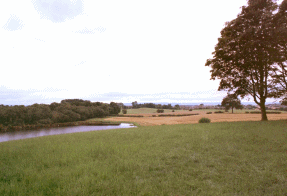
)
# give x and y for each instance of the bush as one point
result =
(174, 115)
(160, 111)
(121, 115)
(153, 115)
(247, 112)
(208, 112)
(267, 112)
(125, 111)
(190, 109)
(204, 120)
(255, 112)
(172, 110)
(217, 112)
(45, 121)
(273, 112)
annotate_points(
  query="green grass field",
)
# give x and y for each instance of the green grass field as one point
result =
(153, 110)
(242, 158)
(145, 111)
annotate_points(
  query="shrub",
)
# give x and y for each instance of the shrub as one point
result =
(125, 111)
(267, 112)
(153, 115)
(121, 115)
(204, 120)
(255, 112)
(208, 112)
(217, 112)
(172, 110)
(160, 111)
(273, 112)
(174, 115)
(190, 109)
(45, 121)
(247, 112)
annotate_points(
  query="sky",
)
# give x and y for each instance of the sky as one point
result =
(122, 51)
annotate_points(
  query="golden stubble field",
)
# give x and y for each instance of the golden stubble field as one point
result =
(148, 120)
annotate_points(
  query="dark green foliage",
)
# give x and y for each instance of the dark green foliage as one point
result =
(167, 106)
(77, 102)
(190, 110)
(258, 112)
(284, 101)
(208, 112)
(135, 105)
(231, 101)
(160, 111)
(250, 50)
(114, 108)
(69, 110)
(204, 120)
(125, 111)
(152, 105)
(177, 107)
(175, 115)
(121, 115)
(218, 112)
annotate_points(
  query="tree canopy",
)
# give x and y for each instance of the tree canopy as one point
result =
(69, 110)
(249, 51)
(231, 101)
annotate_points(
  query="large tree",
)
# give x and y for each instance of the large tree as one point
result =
(247, 52)
(279, 73)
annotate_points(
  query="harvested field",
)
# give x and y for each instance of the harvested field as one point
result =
(148, 120)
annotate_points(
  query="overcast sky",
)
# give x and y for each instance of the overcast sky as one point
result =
(122, 51)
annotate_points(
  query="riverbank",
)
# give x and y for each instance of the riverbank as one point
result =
(66, 124)
(25, 134)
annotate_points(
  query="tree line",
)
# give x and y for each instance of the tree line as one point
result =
(135, 105)
(68, 110)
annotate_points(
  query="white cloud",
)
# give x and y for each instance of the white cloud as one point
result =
(90, 48)
(13, 24)
(58, 10)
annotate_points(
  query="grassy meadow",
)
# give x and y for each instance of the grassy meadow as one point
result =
(153, 110)
(238, 158)
(144, 111)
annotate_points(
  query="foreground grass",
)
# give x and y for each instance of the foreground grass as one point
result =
(243, 158)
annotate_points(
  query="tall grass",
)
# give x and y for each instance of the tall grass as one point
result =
(242, 158)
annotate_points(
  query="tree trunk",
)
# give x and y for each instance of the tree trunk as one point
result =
(263, 111)
(232, 110)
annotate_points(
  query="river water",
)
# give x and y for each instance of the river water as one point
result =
(17, 135)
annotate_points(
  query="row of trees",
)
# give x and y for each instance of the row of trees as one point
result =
(152, 105)
(69, 110)
(250, 58)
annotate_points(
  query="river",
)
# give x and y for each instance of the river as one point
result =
(17, 135)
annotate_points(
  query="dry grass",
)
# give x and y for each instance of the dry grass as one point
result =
(148, 120)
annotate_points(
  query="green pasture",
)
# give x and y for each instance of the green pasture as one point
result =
(238, 158)
(153, 110)
(145, 111)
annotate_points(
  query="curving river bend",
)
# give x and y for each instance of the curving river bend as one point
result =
(17, 135)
